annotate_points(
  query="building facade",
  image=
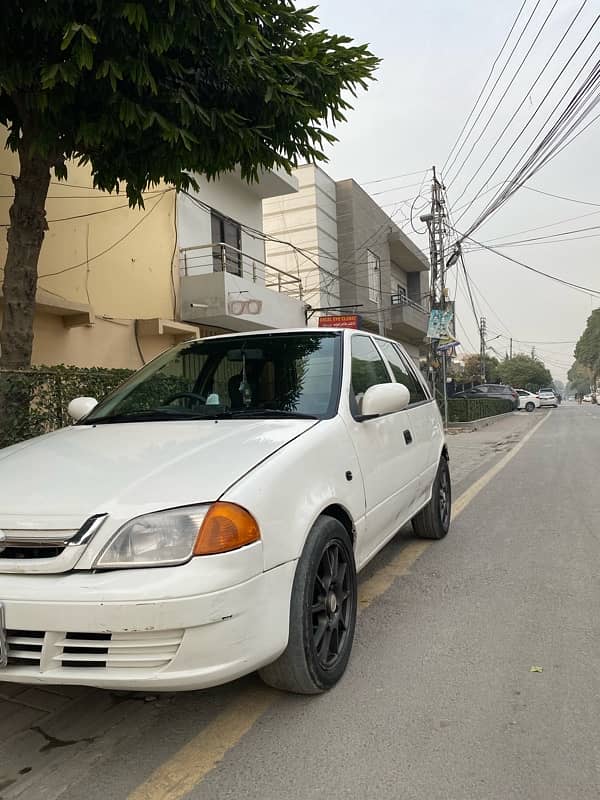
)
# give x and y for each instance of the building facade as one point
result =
(352, 255)
(117, 286)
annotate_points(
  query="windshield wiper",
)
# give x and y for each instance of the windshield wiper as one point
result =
(152, 415)
(269, 412)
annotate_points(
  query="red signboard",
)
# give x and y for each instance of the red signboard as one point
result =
(340, 321)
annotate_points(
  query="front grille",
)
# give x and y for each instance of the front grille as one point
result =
(145, 650)
(87, 649)
(24, 647)
(14, 551)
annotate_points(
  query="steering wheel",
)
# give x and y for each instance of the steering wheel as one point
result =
(186, 396)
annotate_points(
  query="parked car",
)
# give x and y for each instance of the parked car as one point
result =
(547, 398)
(528, 401)
(587, 398)
(495, 390)
(208, 518)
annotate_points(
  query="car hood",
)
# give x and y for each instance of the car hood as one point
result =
(61, 479)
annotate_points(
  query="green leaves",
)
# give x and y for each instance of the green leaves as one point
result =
(525, 372)
(135, 14)
(587, 350)
(171, 87)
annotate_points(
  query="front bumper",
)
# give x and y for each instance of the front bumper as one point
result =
(103, 630)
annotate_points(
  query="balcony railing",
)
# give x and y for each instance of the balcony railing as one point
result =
(204, 259)
(403, 300)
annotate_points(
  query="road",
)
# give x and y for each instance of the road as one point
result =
(439, 701)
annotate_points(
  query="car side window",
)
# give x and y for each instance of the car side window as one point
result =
(368, 368)
(402, 372)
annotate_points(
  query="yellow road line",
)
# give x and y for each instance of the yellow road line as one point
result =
(379, 583)
(178, 776)
(190, 765)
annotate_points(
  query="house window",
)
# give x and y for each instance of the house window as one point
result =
(373, 266)
(227, 232)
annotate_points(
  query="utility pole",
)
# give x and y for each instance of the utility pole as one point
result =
(436, 223)
(380, 312)
(482, 333)
(510, 349)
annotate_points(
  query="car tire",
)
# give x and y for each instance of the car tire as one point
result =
(529, 406)
(322, 614)
(433, 521)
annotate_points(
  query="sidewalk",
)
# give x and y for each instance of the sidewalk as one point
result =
(471, 450)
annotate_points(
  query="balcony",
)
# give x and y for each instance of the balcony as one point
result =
(407, 319)
(223, 287)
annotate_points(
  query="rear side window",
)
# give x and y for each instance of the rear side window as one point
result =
(368, 368)
(402, 371)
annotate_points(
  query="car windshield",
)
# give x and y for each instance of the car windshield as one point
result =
(270, 375)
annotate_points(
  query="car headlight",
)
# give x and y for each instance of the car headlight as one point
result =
(167, 538)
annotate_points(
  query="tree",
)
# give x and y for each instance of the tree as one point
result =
(525, 372)
(587, 349)
(579, 378)
(157, 90)
(470, 370)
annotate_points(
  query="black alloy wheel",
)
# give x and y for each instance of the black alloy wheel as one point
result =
(322, 613)
(331, 605)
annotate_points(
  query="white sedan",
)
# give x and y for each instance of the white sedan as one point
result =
(528, 401)
(209, 517)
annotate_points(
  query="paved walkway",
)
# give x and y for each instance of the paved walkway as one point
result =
(471, 450)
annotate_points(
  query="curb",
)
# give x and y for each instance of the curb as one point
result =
(459, 427)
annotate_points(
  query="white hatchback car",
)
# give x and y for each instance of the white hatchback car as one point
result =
(548, 398)
(208, 518)
(528, 401)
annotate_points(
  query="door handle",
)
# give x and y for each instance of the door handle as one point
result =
(408, 437)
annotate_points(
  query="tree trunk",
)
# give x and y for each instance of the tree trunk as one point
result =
(25, 237)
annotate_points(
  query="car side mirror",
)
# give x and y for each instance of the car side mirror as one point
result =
(80, 407)
(384, 398)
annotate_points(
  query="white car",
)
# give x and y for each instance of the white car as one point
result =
(547, 398)
(528, 401)
(208, 518)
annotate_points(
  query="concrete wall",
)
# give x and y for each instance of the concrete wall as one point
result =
(363, 226)
(308, 220)
(122, 263)
(115, 259)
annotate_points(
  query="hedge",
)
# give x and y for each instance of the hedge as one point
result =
(35, 401)
(469, 409)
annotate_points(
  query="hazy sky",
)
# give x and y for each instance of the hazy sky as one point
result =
(436, 57)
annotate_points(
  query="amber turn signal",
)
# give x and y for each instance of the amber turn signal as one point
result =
(226, 527)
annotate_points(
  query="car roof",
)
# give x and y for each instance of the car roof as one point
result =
(309, 331)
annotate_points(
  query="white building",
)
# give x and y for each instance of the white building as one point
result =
(226, 282)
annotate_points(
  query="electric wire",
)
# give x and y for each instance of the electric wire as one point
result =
(523, 101)
(500, 101)
(491, 72)
(520, 173)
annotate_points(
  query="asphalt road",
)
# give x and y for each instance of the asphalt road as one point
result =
(439, 701)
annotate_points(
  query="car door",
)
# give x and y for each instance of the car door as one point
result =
(425, 421)
(384, 447)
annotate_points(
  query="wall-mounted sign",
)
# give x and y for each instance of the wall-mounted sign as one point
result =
(340, 321)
